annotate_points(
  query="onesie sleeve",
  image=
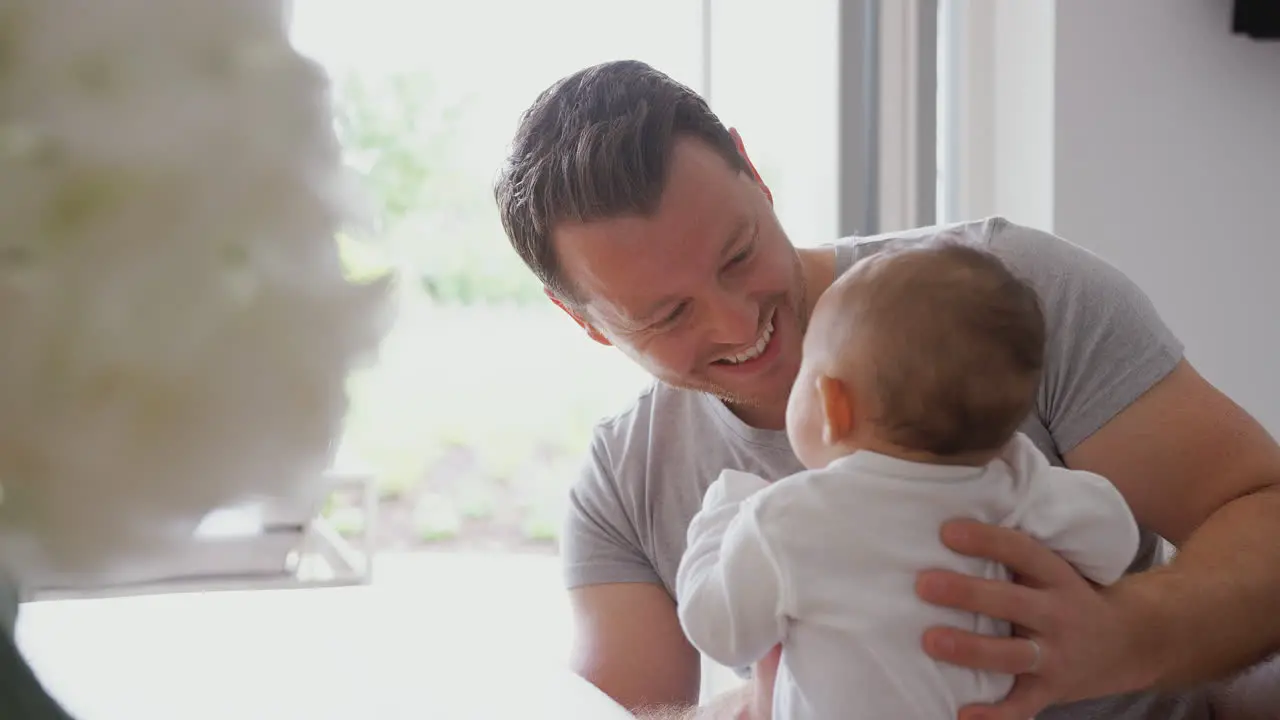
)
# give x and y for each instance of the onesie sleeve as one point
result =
(730, 592)
(1078, 514)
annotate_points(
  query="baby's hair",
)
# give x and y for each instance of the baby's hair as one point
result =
(951, 342)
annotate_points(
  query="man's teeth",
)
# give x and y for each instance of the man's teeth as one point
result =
(754, 351)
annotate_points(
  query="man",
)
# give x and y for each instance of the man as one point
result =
(646, 222)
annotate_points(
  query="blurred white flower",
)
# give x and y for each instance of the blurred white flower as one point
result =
(175, 327)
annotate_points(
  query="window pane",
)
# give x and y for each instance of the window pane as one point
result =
(774, 77)
(945, 120)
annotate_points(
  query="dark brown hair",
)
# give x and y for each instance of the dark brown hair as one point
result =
(954, 342)
(596, 145)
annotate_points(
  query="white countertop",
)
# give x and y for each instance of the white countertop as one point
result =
(448, 638)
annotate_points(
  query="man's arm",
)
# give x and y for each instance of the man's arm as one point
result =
(1198, 470)
(627, 636)
(628, 643)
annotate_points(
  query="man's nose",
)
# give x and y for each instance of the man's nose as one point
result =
(733, 320)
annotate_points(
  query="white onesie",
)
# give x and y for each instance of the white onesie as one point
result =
(825, 562)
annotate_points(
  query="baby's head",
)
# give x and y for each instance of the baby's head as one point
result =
(930, 352)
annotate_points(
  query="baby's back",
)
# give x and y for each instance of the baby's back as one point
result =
(850, 541)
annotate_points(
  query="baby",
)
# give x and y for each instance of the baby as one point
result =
(919, 366)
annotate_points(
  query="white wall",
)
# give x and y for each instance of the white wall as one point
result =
(1168, 162)
(1165, 160)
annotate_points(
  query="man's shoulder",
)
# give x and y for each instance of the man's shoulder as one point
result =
(1059, 269)
(996, 233)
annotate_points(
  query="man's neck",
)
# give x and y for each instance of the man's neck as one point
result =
(761, 417)
(818, 267)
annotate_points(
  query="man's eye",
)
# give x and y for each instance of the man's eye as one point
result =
(741, 257)
(675, 314)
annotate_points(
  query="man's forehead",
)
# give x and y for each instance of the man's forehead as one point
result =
(599, 256)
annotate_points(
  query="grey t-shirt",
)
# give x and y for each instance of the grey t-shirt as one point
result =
(649, 466)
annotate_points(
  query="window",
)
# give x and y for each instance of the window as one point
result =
(774, 74)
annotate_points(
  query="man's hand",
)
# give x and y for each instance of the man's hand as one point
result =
(1072, 642)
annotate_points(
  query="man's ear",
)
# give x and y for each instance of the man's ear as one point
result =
(742, 150)
(592, 333)
(837, 410)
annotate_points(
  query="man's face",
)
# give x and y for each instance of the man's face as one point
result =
(705, 294)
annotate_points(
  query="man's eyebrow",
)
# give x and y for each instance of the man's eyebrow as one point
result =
(740, 228)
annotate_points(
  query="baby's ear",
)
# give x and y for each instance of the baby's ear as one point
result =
(837, 409)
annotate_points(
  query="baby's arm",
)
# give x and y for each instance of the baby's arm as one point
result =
(1078, 514)
(729, 592)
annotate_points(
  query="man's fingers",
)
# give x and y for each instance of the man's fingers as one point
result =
(1037, 565)
(1028, 697)
(998, 599)
(1008, 656)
